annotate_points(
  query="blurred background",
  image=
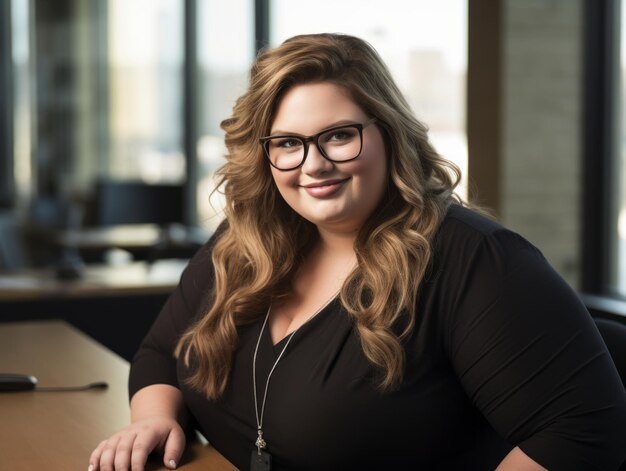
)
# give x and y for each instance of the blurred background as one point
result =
(109, 133)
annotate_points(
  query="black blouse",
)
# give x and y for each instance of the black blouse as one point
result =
(503, 354)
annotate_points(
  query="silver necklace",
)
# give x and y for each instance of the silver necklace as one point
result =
(261, 459)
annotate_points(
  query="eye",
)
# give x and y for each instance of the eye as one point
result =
(286, 143)
(340, 135)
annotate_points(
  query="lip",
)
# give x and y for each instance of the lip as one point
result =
(324, 188)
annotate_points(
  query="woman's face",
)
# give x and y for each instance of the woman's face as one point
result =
(337, 197)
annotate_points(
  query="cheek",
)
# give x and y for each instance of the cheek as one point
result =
(372, 177)
(284, 180)
(376, 183)
(372, 172)
(374, 160)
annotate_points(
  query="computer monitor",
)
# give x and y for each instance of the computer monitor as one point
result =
(133, 202)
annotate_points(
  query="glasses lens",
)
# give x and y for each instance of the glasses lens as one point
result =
(285, 152)
(341, 144)
(338, 145)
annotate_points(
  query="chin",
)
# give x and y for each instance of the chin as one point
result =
(337, 225)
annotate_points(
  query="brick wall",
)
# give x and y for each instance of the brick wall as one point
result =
(542, 138)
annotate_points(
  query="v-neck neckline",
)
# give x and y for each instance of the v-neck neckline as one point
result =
(278, 346)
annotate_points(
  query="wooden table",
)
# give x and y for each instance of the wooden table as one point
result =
(58, 430)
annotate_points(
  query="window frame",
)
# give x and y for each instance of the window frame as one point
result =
(601, 64)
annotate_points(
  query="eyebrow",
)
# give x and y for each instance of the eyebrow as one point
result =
(341, 122)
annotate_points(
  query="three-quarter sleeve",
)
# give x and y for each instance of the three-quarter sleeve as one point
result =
(529, 356)
(154, 362)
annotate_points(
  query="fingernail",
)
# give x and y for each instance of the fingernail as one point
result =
(90, 468)
(172, 463)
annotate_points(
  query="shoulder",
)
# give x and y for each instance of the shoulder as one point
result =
(465, 236)
(461, 222)
(478, 265)
(476, 261)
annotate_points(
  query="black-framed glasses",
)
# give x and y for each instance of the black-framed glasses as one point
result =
(337, 144)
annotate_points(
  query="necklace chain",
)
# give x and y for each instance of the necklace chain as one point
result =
(260, 442)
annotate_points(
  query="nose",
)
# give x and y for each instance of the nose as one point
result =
(316, 163)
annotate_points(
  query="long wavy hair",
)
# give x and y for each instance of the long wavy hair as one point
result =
(264, 241)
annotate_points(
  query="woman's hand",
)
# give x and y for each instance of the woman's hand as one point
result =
(129, 449)
(156, 413)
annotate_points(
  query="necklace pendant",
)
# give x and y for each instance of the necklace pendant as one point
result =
(260, 460)
(260, 443)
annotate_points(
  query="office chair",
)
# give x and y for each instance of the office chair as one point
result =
(614, 335)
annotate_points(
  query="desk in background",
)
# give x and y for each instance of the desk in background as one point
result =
(127, 236)
(56, 431)
(135, 278)
(114, 304)
(143, 241)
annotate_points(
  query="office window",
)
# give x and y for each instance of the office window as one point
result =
(22, 98)
(225, 52)
(145, 71)
(424, 43)
(97, 92)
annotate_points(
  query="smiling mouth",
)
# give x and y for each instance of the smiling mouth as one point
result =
(326, 189)
(325, 183)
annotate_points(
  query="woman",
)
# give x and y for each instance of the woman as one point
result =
(351, 314)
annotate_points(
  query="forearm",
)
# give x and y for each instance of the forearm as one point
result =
(517, 460)
(158, 400)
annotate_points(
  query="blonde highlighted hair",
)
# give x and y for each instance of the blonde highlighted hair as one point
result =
(264, 241)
